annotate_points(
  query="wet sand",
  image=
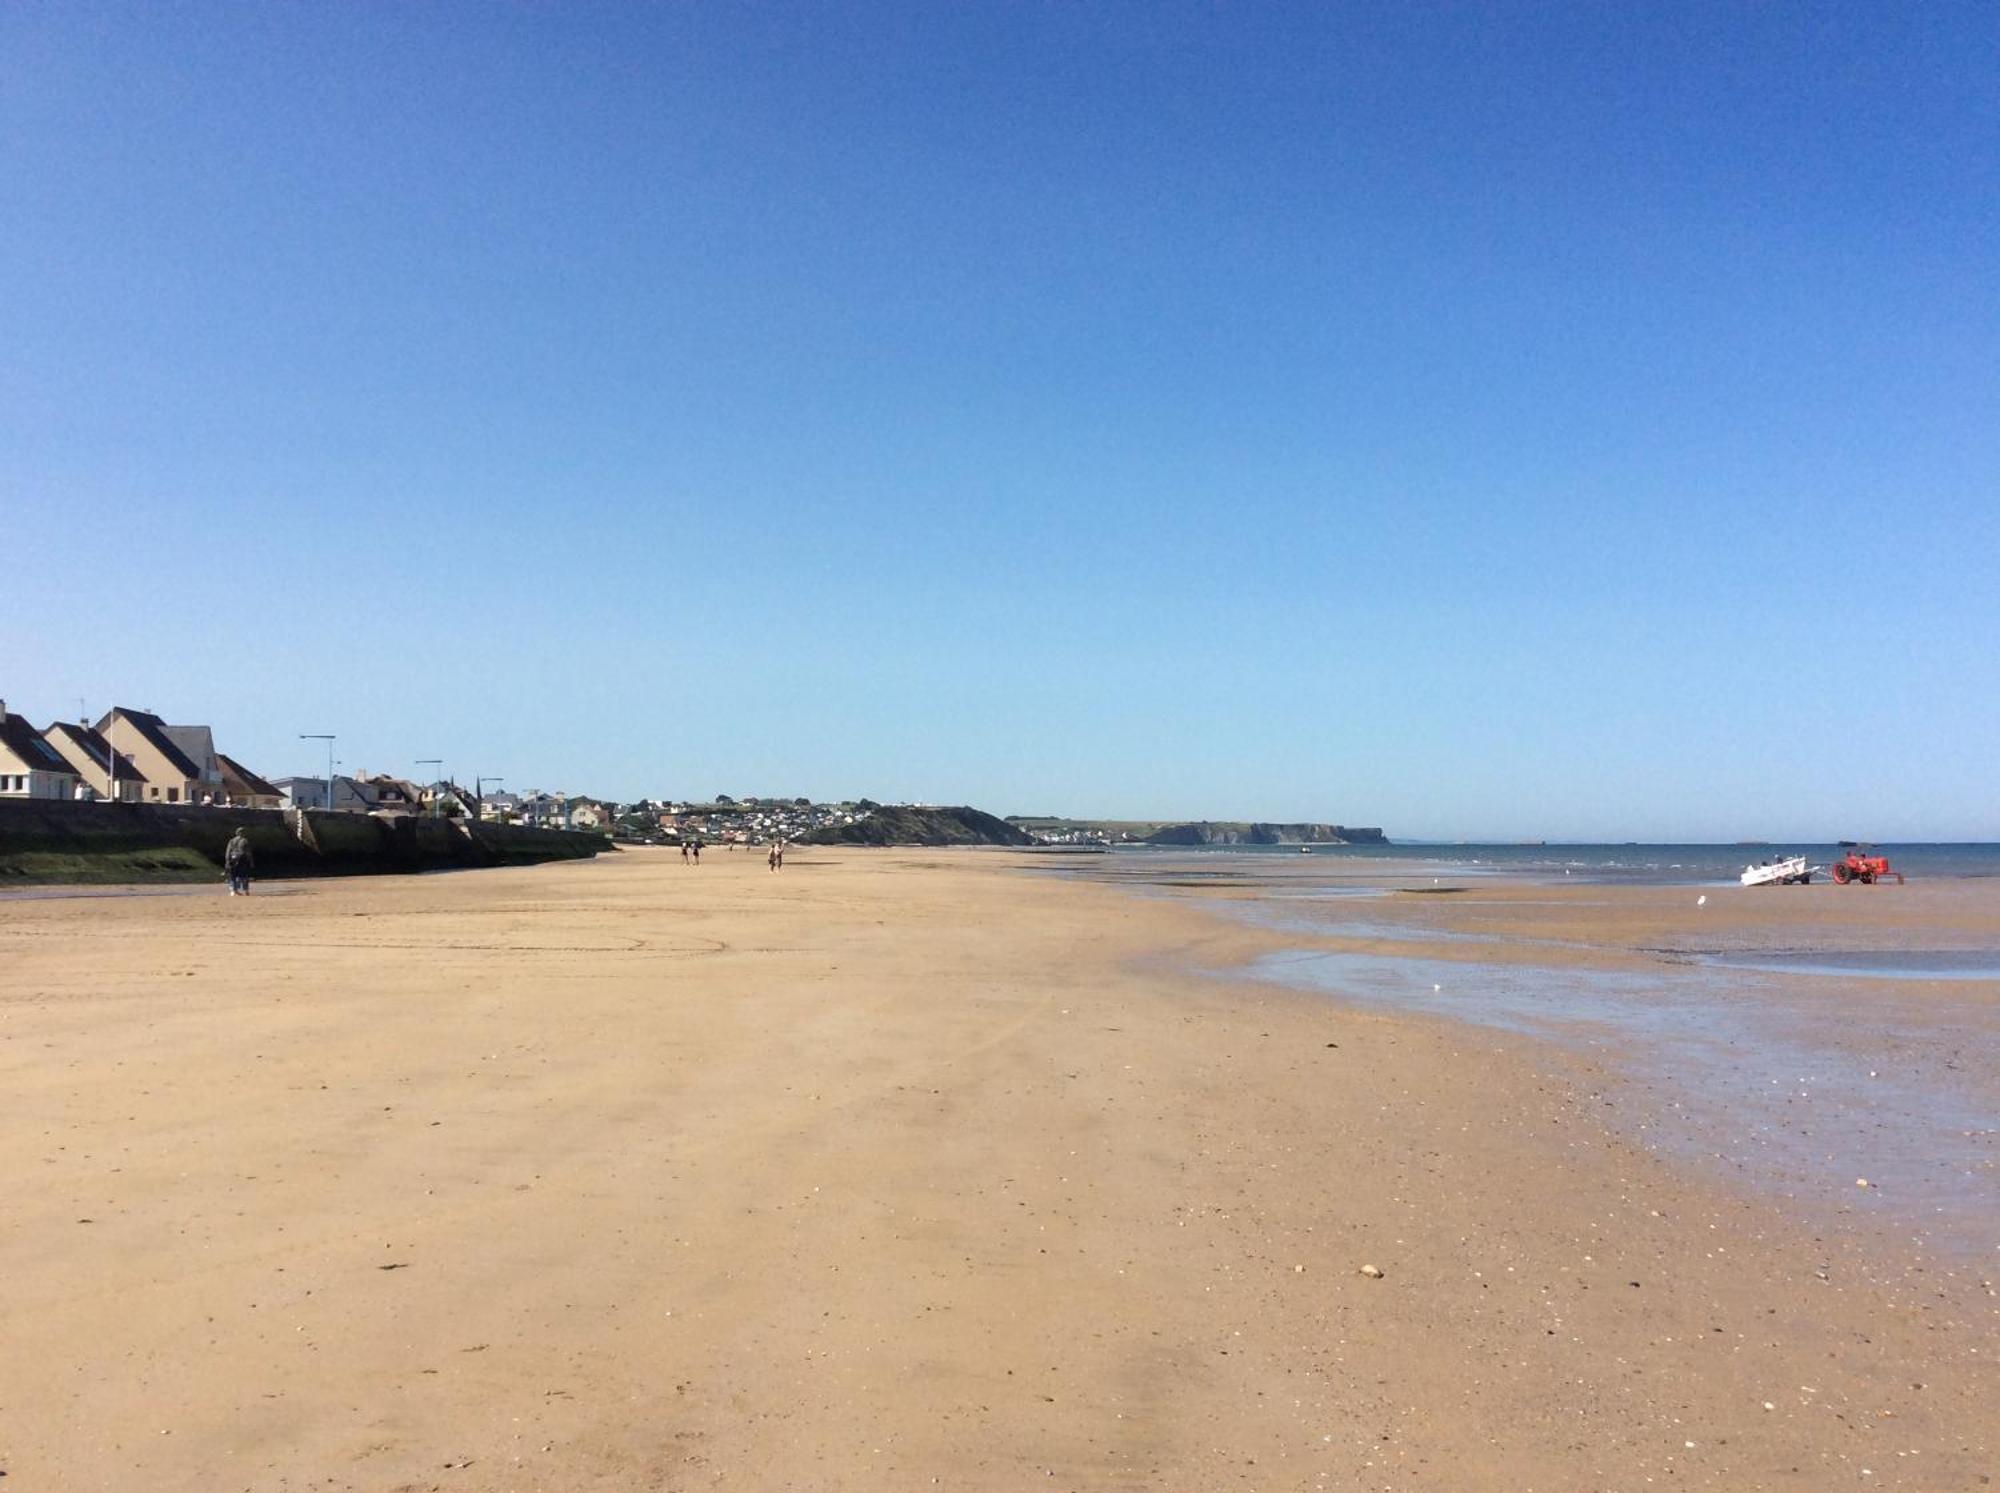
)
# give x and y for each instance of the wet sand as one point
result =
(1798, 1039)
(888, 1171)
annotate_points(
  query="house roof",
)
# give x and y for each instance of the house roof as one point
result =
(93, 747)
(237, 778)
(26, 743)
(194, 741)
(154, 732)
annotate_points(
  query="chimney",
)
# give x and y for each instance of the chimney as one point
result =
(3, 712)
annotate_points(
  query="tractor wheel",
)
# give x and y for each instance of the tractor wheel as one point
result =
(1841, 874)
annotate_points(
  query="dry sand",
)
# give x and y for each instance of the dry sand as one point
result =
(888, 1171)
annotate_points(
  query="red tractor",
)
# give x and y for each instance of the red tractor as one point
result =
(1859, 865)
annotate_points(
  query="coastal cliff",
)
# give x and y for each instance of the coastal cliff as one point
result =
(1206, 832)
(925, 826)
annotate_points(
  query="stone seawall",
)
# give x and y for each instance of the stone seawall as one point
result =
(46, 840)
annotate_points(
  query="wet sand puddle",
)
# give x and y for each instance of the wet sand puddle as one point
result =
(1866, 964)
(1740, 1067)
(1798, 1071)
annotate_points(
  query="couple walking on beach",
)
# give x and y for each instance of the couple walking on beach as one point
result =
(777, 855)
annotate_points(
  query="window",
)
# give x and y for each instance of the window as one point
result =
(173, 795)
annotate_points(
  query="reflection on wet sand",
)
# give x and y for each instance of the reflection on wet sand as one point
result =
(1799, 1041)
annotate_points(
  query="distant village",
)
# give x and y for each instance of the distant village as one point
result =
(135, 757)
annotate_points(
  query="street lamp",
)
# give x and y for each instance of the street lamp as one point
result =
(438, 763)
(479, 795)
(326, 737)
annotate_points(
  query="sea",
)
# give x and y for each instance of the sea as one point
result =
(1631, 862)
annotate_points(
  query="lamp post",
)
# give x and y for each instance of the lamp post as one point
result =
(326, 737)
(438, 763)
(479, 795)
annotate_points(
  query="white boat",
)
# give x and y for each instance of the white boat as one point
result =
(1791, 871)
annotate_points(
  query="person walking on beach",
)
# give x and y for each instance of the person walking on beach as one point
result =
(777, 856)
(684, 852)
(238, 863)
(697, 852)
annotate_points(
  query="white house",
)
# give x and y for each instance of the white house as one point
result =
(29, 766)
(349, 797)
(588, 813)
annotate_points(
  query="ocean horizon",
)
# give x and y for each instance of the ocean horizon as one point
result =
(1694, 862)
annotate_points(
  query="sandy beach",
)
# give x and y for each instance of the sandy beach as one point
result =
(897, 1170)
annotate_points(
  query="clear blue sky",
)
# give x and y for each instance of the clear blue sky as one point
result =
(1562, 420)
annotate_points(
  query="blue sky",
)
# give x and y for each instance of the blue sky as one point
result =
(1519, 420)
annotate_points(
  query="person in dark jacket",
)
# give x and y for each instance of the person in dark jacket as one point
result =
(238, 863)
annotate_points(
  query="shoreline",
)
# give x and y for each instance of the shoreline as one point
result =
(1741, 1039)
(892, 1166)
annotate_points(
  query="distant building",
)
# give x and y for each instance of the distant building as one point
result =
(243, 789)
(168, 773)
(588, 813)
(394, 797)
(543, 810)
(349, 797)
(197, 744)
(448, 800)
(29, 766)
(499, 806)
(101, 773)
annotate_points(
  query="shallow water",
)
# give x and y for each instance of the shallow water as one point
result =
(1741, 1068)
(1797, 1070)
(1894, 964)
(1633, 864)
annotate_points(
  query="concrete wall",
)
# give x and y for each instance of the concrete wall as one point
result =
(60, 841)
(34, 784)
